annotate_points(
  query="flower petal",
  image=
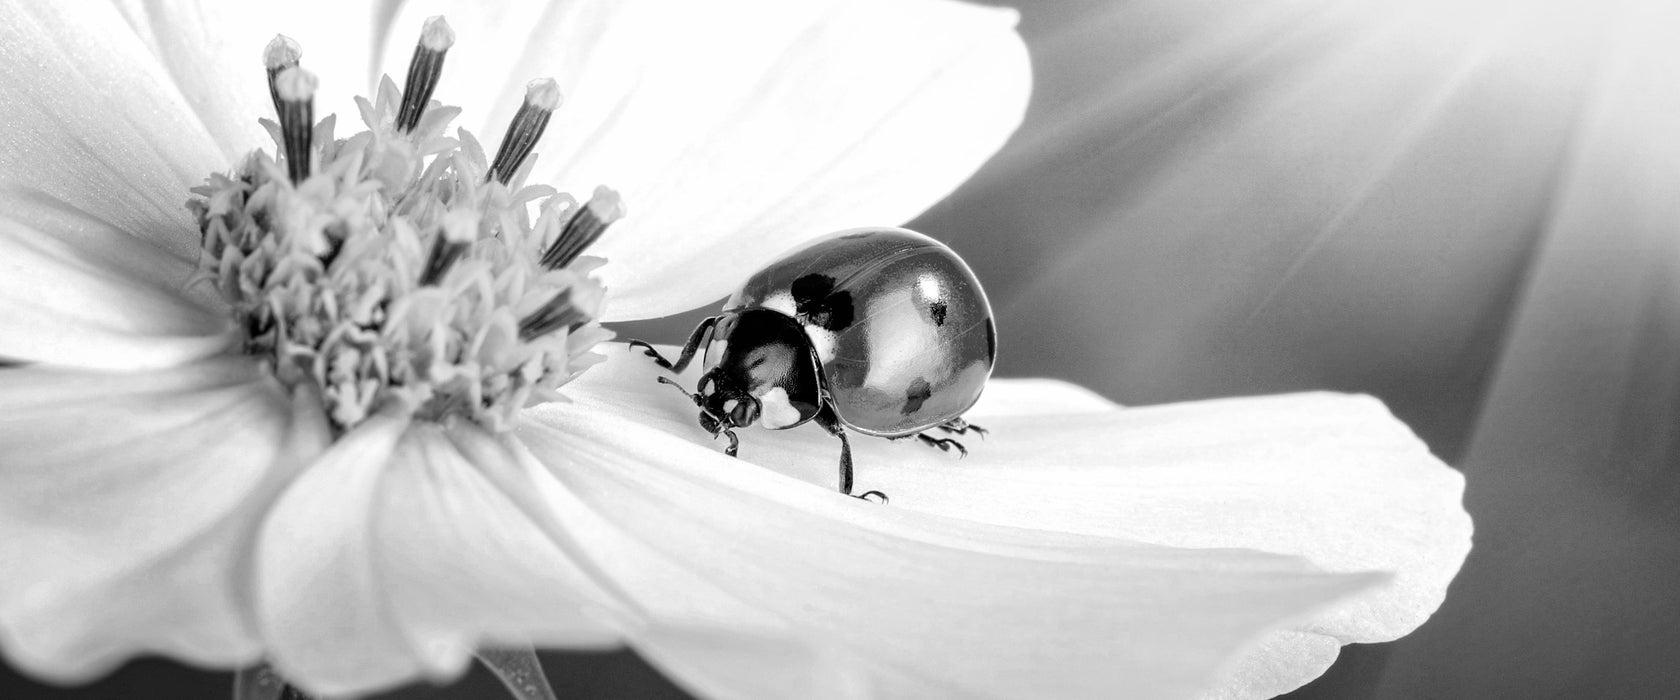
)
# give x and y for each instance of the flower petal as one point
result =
(127, 502)
(926, 604)
(318, 600)
(464, 565)
(736, 661)
(1281, 661)
(89, 296)
(1027, 397)
(393, 557)
(738, 129)
(1333, 478)
(711, 641)
(93, 121)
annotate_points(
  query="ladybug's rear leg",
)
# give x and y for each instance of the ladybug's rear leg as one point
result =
(946, 444)
(831, 423)
(962, 427)
(688, 350)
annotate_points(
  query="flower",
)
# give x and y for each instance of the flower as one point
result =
(160, 491)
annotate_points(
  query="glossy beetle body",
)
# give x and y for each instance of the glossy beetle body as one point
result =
(883, 331)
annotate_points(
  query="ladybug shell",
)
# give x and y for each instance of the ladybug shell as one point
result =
(900, 325)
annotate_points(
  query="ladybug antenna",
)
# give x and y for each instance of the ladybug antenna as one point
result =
(698, 403)
(692, 397)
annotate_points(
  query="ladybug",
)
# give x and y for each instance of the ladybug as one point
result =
(882, 331)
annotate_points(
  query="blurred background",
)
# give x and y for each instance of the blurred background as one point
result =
(1470, 209)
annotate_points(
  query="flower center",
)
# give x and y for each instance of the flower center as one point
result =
(399, 269)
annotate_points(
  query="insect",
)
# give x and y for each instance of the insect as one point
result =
(882, 331)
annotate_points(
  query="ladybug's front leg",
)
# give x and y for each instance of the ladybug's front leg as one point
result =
(734, 442)
(688, 350)
(831, 423)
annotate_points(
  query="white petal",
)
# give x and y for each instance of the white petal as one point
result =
(84, 294)
(709, 640)
(1329, 477)
(737, 129)
(926, 604)
(1333, 478)
(95, 124)
(739, 662)
(1282, 661)
(127, 505)
(1027, 397)
(319, 602)
(393, 557)
(464, 566)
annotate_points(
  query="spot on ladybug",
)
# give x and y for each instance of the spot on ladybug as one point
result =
(819, 305)
(937, 311)
(917, 394)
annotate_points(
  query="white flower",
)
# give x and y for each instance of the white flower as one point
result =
(161, 492)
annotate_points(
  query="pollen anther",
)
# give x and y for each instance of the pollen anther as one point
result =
(296, 89)
(603, 209)
(424, 70)
(541, 98)
(282, 53)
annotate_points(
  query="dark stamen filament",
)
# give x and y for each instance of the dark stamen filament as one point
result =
(558, 313)
(604, 208)
(541, 97)
(282, 53)
(296, 90)
(423, 71)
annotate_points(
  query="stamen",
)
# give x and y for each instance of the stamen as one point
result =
(459, 230)
(282, 53)
(424, 70)
(296, 90)
(408, 281)
(558, 313)
(541, 97)
(604, 208)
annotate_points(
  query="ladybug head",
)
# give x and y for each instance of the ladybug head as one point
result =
(724, 403)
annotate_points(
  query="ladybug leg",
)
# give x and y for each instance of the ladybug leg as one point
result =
(734, 443)
(944, 444)
(833, 428)
(831, 423)
(688, 350)
(962, 427)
